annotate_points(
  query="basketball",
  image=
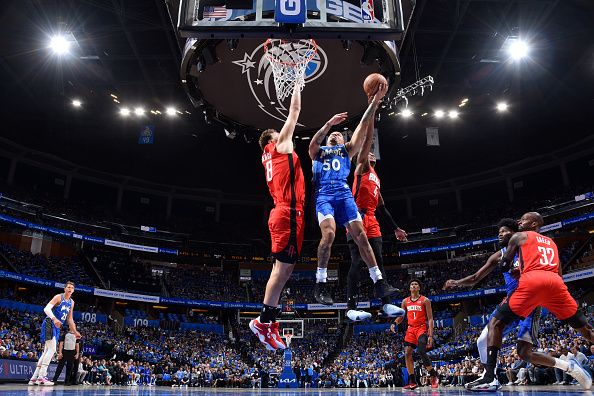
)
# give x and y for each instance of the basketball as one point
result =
(372, 82)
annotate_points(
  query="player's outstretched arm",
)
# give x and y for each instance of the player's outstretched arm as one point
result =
(363, 156)
(355, 145)
(284, 145)
(386, 217)
(517, 240)
(473, 279)
(318, 138)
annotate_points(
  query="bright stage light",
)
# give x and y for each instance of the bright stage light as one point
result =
(406, 113)
(59, 45)
(76, 103)
(171, 111)
(439, 114)
(518, 49)
(139, 111)
(124, 111)
(502, 106)
(453, 114)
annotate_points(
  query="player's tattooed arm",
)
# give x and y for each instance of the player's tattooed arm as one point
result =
(318, 138)
(363, 155)
(355, 145)
(475, 278)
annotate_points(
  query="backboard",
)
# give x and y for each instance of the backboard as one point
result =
(294, 327)
(338, 19)
(227, 76)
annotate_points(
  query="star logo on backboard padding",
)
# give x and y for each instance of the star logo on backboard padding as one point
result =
(246, 63)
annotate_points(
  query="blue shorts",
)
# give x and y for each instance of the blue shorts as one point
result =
(49, 330)
(527, 328)
(343, 209)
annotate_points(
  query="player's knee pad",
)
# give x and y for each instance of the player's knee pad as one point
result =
(49, 330)
(481, 344)
(505, 315)
(422, 349)
(577, 320)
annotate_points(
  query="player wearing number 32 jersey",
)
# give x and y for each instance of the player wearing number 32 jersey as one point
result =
(541, 285)
(287, 188)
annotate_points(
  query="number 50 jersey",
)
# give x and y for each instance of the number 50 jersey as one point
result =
(330, 171)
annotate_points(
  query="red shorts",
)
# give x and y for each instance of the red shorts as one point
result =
(545, 289)
(371, 226)
(286, 233)
(413, 333)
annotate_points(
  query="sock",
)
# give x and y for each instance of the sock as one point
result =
(35, 374)
(321, 275)
(412, 379)
(268, 314)
(43, 371)
(492, 353)
(375, 274)
(352, 302)
(561, 364)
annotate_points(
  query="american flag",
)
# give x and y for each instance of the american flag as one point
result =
(215, 12)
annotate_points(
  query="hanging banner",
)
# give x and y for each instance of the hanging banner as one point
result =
(432, 136)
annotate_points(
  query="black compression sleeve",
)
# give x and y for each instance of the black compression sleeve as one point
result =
(386, 216)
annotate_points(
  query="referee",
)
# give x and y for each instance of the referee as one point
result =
(68, 352)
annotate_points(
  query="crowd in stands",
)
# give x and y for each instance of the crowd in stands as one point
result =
(127, 272)
(124, 272)
(48, 267)
(153, 356)
(204, 283)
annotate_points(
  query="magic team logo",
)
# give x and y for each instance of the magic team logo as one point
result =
(258, 72)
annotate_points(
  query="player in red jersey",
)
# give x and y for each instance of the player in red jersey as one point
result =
(287, 188)
(366, 191)
(419, 314)
(540, 284)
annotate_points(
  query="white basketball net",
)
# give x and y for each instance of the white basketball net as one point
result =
(289, 60)
(288, 338)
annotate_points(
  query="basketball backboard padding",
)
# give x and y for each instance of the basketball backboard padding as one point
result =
(240, 86)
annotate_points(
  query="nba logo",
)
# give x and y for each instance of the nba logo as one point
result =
(367, 13)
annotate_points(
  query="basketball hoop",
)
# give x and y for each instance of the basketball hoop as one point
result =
(288, 60)
(288, 338)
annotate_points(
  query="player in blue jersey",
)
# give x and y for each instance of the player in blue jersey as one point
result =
(334, 201)
(528, 328)
(58, 311)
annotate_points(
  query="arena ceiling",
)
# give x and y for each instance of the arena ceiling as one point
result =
(129, 49)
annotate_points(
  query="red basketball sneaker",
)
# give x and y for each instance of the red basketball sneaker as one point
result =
(265, 333)
(410, 386)
(279, 341)
(434, 381)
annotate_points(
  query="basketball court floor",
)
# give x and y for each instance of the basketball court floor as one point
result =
(22, 390)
